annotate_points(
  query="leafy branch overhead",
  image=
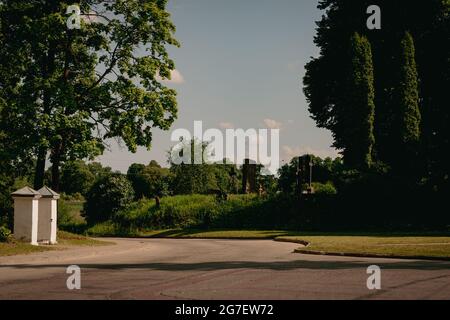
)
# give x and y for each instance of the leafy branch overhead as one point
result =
(69, 90)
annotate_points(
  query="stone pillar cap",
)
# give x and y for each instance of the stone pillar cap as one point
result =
(46, 192)
(26, 192)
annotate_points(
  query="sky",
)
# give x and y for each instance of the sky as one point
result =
(240, 65)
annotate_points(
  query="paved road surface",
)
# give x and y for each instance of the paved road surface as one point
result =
(214, 269)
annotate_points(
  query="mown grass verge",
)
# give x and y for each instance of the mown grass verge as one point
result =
(407, 245)
(377, 245)
(65, 240)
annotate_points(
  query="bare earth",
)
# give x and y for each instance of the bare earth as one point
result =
(214, 269)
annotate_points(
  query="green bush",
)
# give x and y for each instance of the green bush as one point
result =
(69, 215)
(5, 234)
(204, 211)
(324, 188)
(64, 216)
(107, 197)
(73, 197)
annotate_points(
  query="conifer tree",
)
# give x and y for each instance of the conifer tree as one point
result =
(359, 111)
(407, 111)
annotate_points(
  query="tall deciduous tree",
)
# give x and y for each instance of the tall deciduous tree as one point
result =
(67, 90)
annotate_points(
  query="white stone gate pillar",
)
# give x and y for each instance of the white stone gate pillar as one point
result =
(26, 208)
(48, 215)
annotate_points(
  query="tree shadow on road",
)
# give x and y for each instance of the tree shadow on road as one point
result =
(271, 265)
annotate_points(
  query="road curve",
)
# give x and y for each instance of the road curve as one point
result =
(215, 269)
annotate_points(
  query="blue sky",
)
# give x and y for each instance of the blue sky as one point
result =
(240, 65)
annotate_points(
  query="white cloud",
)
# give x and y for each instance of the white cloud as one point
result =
(290, 152)
(226, 125)
(272, 124)
(175, 78)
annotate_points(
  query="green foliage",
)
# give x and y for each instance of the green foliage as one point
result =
(64, 215)
(269, 184)
(323, 171)
(194, 177)
(67, 91)
(324, 188)
(326, 77)
(137, 179)
(5, 234)
(184, 211)
(149, 181)
(228, 177)
(201, 178)
(359, 113)
(107, 196)
(407, 98)
(204, 211)
(76, 177)
(70, 215)
(345, 107)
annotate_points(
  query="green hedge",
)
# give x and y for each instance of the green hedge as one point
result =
(205, 211)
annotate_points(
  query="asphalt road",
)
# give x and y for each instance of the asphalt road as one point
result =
(215, 269)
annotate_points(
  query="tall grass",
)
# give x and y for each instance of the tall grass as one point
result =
(198, 211)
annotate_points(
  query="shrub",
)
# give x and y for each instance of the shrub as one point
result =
(5, 234)
(324, 188)
(73, 197)
(108, 196)
(64, 216)
(69, 218)
(204, 211)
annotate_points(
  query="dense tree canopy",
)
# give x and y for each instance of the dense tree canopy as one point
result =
(323, 171)
(325, 79)
(108, 196)
(67, 90)
(149, 181)
(76, 178)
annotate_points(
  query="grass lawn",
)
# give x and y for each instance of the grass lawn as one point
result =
(401, 245)
(385, 245)
(14, 248)
(65, 240)
(70, 239)
(216, 234)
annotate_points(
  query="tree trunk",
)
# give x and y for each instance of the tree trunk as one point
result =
(55, 176)
(40, 168)
(56, 164)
